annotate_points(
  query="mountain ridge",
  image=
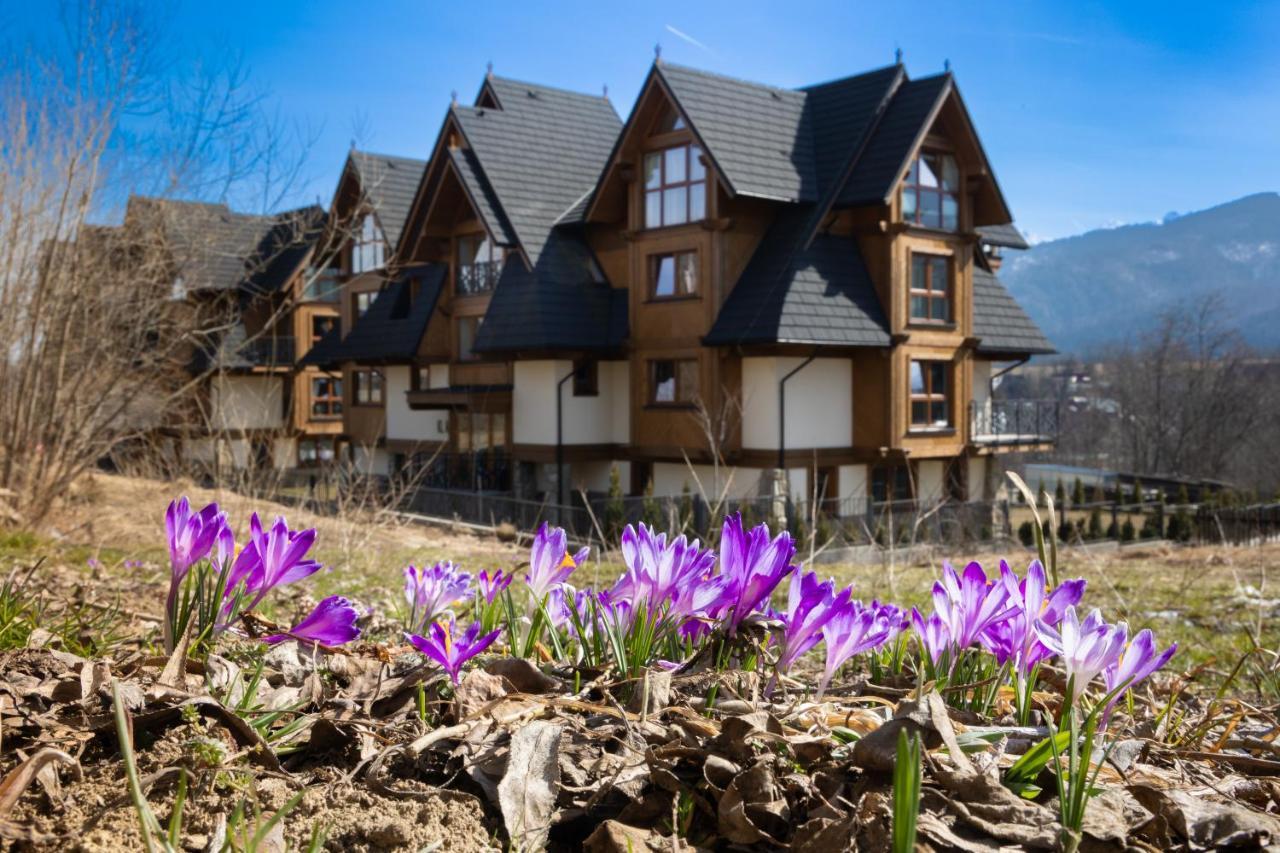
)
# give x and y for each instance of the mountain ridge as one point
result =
(1116, 281)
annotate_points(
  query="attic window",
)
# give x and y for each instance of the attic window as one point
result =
(669, 122)
(675, 186)
(368, 250)
(931, 192)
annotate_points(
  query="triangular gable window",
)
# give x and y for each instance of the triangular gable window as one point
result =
(669, 122)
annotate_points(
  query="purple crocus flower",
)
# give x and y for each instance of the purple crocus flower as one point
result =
(190, 534)
(969, 604)
(331, 623)
(443, 646)
(657, 571)
(810, 605)
(1014, 638)
(852, 630)
(1137, 661)
(491, 586)
(563, 602)
(279, 558)
(1086, 648)
(431, 591)
(934, 635)
(549, 562)
(752, 565)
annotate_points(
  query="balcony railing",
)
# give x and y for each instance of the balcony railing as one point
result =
(479, 277)
(1013, 422)
(264, 352)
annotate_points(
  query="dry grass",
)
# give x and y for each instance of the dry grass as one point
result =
(1211, 600)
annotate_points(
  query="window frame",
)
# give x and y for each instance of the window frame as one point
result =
(368, 238)
(362, 381)
(684, 398)
(885, 480)
(655, 264)
(329, 319)
(929, 292)
(930, 397)
(420, 377)
(332, 401)
(911, 184)
(365, 296)
(586, 377)
(475, 321)
(485, 272)
(689, 147)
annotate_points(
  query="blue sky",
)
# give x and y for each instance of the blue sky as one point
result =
(1093, 114)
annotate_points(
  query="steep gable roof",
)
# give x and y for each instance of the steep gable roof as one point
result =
(391, 329)
(1000, 322)
(819, 294)
(481, 195)
(539, 152)
(904, 123)
(557, 305)
(389, 183)
(1005, 235)
(284, 247)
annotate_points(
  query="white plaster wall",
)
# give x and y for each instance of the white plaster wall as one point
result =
(853, 483)
(248, 402)
(239, 450)
(669, 479)
(930, 475)
(405, 423)
(371, 461)
(981, 383)
(285, 452)
(593, 475)
(977, 475)
(586, 420)
(819, 403)
(438, 376)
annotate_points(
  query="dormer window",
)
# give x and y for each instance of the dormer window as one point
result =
(675, 186)
(931, 192)
(368, 250)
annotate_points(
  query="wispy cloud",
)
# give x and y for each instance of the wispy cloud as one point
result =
(683, 36)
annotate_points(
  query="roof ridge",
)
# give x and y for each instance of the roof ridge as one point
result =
(558, 89)
(364, 153)
(756, 83)
(809, 87)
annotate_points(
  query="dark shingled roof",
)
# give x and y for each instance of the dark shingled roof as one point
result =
(390, 184)
(210, 244)
(327, 352)
(760, 137)
(843, 111)
(540, 152)
(816, 295)
(284, 247)
(886, 155)
(392, 327)
(557, 306)
(1003, 235)
(1000, 322)
(481, 195)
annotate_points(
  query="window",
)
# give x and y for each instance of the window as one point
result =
(479, 264)
(930, 288)
(891, 483)
(312, 452)
(367, 247)
(479, 430)
(675, 186)
(468, 328)
(322, 285)
(673, 276)
(321, 326)
(363, 301)
(931, 192)
(326, 397)
(586, 377)
(930, 404)
(673, 382)
(368, 387)
(420, 378)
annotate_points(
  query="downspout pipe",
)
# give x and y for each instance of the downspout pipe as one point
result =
(782, 410)
(560, 439)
